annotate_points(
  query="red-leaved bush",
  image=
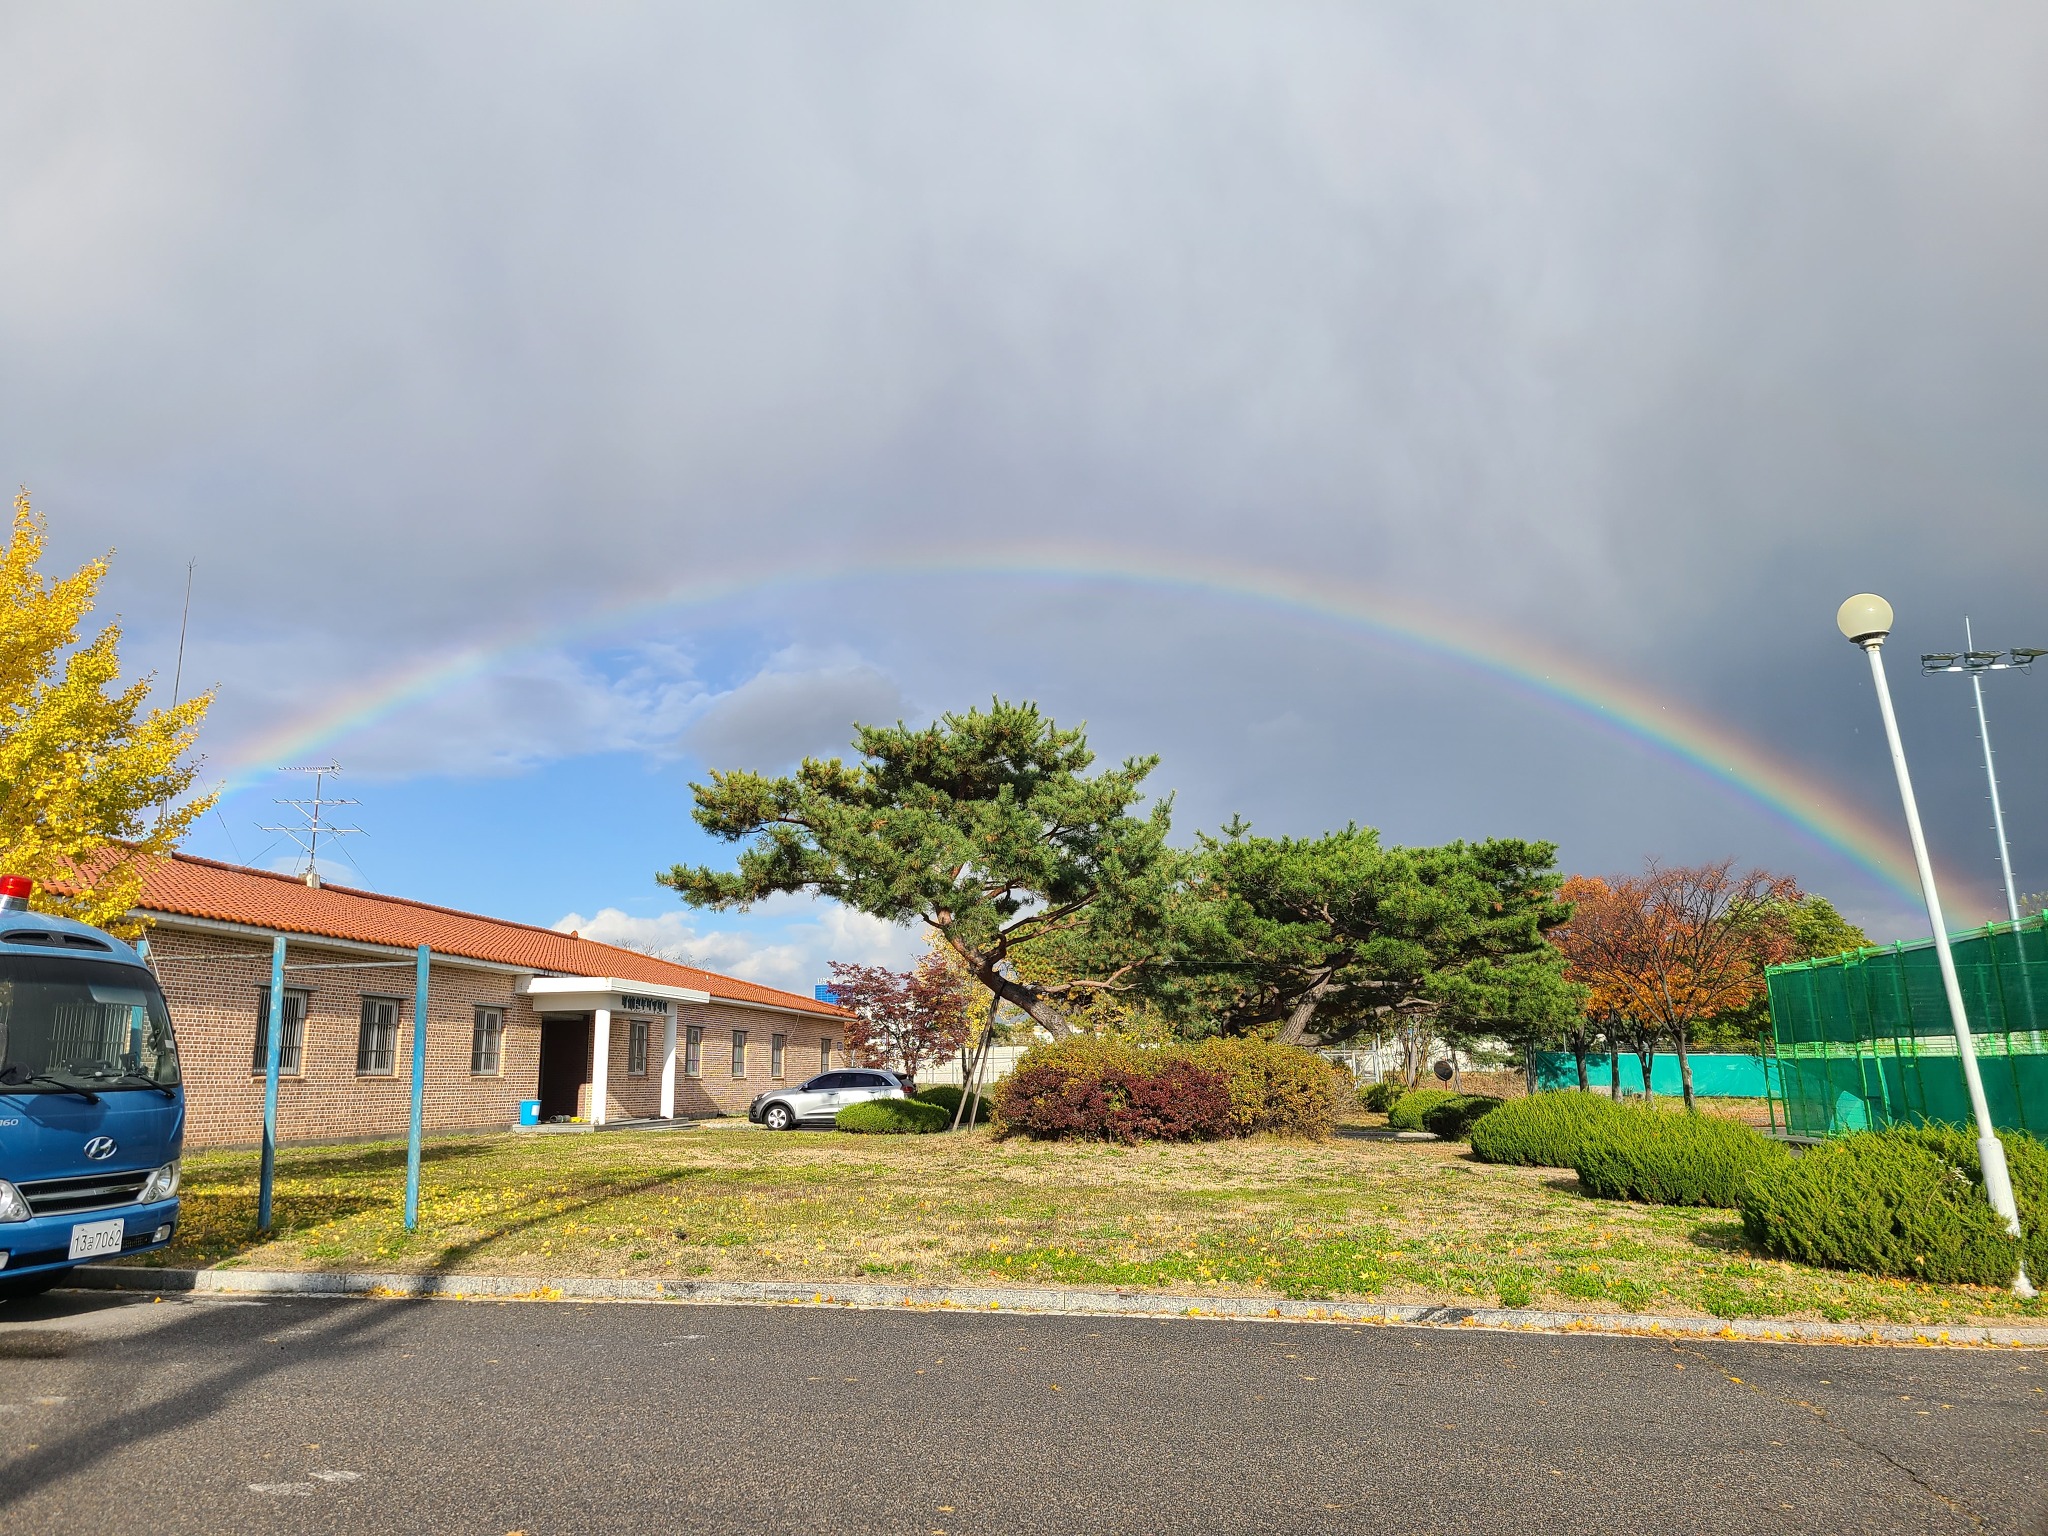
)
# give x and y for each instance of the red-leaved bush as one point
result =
(1106, 1091)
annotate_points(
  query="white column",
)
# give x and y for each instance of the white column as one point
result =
(668, 1068)
(600, 1062)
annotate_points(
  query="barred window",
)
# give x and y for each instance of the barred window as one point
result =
(636, 1048)
(778, 1047)
(739, 1053)
(487, 1043)
(693, 1051)
(291, 1055)
(377, 1040)
(825, 1054)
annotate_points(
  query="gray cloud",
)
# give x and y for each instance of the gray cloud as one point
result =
(791, 711)
(1653, 332)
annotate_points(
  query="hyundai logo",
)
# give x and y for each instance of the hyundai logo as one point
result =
(100, 1148)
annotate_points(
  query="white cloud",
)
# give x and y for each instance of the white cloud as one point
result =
(787, 943)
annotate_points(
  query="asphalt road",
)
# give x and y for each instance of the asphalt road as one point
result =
(125, 1415)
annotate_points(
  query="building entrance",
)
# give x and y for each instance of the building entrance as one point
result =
(564, 1063)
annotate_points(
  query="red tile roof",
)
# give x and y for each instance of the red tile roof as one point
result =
(193, 887)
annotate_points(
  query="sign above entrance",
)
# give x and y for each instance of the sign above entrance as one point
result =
(614, 994)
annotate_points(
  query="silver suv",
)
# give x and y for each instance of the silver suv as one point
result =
(819, 1100)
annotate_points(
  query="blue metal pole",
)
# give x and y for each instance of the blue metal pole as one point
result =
(419, 1092)
(135, 1017)
(273, 1060)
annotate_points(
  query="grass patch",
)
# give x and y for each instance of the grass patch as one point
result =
(1398, 1221)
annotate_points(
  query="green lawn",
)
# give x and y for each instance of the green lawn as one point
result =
(1398, 1221)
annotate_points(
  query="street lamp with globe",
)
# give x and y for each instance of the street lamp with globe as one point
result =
(1865, 620)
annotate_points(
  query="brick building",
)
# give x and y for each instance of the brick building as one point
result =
(514, 1012)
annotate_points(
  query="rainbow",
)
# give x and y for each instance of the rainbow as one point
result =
(1616, 704)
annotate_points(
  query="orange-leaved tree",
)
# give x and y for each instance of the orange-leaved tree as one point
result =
(1665, 949)
(1597, 944)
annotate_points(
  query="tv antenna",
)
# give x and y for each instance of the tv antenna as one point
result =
(307, 834)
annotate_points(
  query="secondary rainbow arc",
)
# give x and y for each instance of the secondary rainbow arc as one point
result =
(1523, 663)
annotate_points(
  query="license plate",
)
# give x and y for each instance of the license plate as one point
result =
(92, 1239)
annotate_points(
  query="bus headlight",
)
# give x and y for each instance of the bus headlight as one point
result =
(12, 1206)
(161, 1185)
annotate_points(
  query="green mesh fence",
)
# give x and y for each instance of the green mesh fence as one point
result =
(1864, 1039)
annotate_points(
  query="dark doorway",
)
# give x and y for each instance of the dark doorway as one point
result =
(564, 1063)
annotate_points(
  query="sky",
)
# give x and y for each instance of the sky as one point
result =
(1462, 421)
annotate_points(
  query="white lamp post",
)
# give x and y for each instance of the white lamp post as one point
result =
(1866, 620)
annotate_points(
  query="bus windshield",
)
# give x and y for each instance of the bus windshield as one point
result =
(68, 1023)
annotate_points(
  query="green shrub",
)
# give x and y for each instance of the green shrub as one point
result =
(1670, 1157)
(948, 1096)
(1280, 1089)
(892, 1117)
(1379, 1097)
(1906, 1203)
(1544, 1130)
(2026, 1162)
(1408, 1110)
(1454, 1120)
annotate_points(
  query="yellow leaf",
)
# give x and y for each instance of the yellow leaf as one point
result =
(90, 782)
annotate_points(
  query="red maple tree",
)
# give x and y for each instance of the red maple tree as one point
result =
(902, 1019)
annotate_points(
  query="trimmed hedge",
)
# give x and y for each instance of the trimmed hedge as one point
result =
(948, 1096)
(1279, 1089)
(892, 1117)
(1671, 1157)
(1454, 1121)
(1408, 1110)
(1906, 1203)
(1545, 1130)
(1109, 1091)
(1115, 1091)
(1379, 1097)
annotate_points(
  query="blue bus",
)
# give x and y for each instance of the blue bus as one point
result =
(92, 1110)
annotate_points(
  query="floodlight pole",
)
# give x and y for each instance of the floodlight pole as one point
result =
(2012, 895)
(1866, 621)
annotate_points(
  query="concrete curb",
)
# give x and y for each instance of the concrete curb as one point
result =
(1025, 1299)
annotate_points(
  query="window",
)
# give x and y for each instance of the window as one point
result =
(778, 1047)
(825, 1055)
(636, 1048)
(739, 1053)
(487, 1043)
(693, 1051)
(291, 1057)
(377, 1040)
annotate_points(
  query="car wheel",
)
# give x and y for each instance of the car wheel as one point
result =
(778, 1117)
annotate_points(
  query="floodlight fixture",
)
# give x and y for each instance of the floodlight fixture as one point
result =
(2019, 659)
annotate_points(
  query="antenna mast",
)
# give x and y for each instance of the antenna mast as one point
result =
(307, 834)
(178, 678)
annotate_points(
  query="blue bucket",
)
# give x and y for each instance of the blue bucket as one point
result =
(529, 1111)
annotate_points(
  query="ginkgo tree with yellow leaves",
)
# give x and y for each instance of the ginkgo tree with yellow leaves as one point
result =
(93, 785)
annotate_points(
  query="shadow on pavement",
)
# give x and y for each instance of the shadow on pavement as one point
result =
(344, 1329)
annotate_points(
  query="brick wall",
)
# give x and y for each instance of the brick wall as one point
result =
(212, 983)
(715, 1089)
